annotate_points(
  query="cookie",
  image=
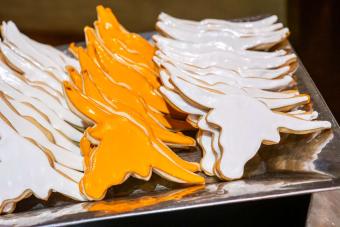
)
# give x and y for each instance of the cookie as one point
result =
(8, 77)
(220, 38)
(35, 175)
(160, 159)
(260, 27)
(28, 129)
(231, 79)
(228, 60)
(245, 73)
(59, 139)
(23, 45)
(203, 48)
(47, 113)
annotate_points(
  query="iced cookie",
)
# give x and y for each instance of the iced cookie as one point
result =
(239, 72)
(256, 42)
(59, 124)
(7, 76)
(232, 79)
(35, 175)
(228, 60)
(163, 160)
(31, 129)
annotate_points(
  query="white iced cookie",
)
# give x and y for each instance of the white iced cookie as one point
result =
(306, 115)
(265, 84)
(59, 124)
(22, 44)
(32, 72)
(253, 28)
(228, 60)
(26, 170)
(240, 72)
(258, 42)
(181, 103)
(28, 129)
(212, 93)
(203, 48)
(7, 76)
(59, 139)
(238, 124)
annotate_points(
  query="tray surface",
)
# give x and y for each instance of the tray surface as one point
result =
(299, 164)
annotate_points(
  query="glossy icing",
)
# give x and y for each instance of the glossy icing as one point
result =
(258, 27)
(212, 93)
(35, 175)
(228, 60)
(59, 124)
(23, 45)
(220, 38)
(59, 139)
(113, 131)
(162, 133)
(7, 76)
(203, 48)
(231, 79)
(33, 130)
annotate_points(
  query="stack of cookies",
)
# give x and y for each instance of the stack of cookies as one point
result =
(235, 84)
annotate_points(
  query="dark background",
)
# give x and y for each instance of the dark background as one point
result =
(315, 27)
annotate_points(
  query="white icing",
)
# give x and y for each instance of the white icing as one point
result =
(258, 24)
(27, 129)
(211, 79)
(248, 73)
(53, 118)
(202, 48)
(182, 104)
(7, 76)
(25, 167)
(61, 140)
(228, 60)
(219, 39)
(32, 72)
(233, 31)
(12, 35)
(238, 125)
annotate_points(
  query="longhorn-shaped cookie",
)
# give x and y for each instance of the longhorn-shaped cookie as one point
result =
(32, 130)
(228, 60)
(232, 79)
(252, 28)
(256, 42)
(238, 124)
(35, 175)
(59, 124)
(23, 45)
(237, 72)
(274, 100)
(160, 159)
(7, 76)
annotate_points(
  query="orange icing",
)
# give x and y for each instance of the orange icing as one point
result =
(122, 75)
(117, 157)
(116, 46)
(162, 133)
(111, 88)
(75, 76)
(126, 205)
(133, 41)
(117, 64)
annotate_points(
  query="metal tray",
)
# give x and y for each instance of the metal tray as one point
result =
(298, 165)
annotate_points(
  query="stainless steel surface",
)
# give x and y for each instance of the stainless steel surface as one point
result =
(299, 164)
(324, 209)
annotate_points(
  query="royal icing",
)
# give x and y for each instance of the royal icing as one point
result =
(25, 169)
(29, 129)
